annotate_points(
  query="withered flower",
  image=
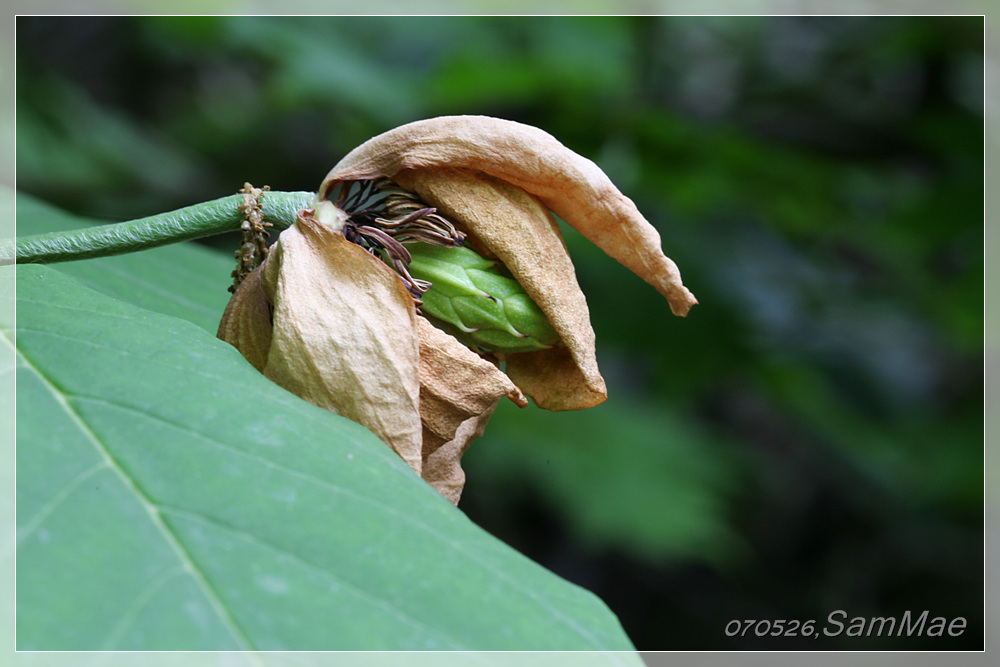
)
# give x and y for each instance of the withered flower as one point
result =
(328, 319)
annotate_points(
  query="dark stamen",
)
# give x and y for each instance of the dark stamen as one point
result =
(383, 216)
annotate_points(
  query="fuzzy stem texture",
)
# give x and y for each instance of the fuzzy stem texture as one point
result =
(185, 224)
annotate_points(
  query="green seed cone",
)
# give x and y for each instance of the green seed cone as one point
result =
(476, 300)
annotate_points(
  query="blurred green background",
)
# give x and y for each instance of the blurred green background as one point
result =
(809, 439)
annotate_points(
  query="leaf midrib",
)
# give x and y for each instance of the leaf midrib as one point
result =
(390, 509)
(295, 558)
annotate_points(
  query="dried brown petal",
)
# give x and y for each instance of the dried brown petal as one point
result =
(515, 228)
(458, 392)
(573, 187)
(442, 467)
(344, 335)
(246, 323)
(455, 382)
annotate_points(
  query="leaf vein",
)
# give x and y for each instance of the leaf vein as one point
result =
(57, 499)
(141, 599)
(249, 537)
(171, 539)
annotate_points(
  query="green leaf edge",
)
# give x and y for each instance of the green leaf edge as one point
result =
(425, 504)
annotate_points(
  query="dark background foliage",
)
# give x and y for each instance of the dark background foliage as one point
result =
(808, 439)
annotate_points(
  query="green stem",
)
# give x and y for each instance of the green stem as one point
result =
(193, 222)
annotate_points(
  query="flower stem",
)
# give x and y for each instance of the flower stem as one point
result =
(193, 222)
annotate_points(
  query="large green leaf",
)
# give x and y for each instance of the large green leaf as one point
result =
(170, 497)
